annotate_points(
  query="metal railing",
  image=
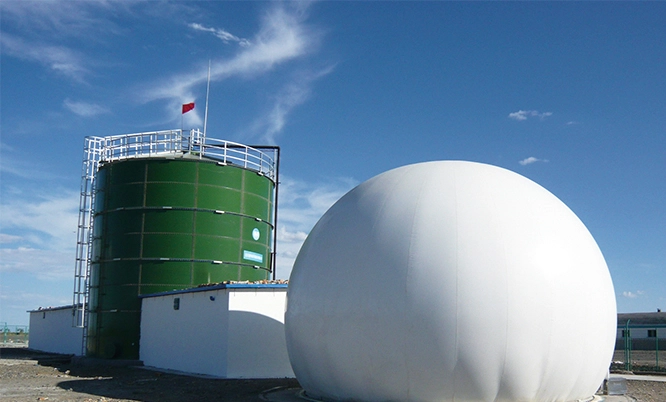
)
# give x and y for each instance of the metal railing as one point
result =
(140, 145)
(177, 143)
(14, 334)
(640, 348)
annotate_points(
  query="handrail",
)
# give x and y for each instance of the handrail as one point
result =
(174, 142)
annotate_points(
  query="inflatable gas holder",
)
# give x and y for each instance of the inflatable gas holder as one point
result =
(450, 280)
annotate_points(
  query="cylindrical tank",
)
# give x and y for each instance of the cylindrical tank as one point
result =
(162, 224)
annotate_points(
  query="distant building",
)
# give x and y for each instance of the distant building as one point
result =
(643, 330)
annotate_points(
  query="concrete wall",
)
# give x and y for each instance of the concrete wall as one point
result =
(232, 331)
(51, 331)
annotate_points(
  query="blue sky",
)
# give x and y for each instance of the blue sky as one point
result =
(568, 94)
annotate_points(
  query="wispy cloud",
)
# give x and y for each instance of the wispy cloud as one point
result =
(525, 114)
(42, 221)
(49, 31)
(85, 109)
(632, 295)
(5, 238)
(18, 164)
(37, 242)
(221, 33)
(283, 37)
(300, 207)
(60, 59)
(39, 31)
(292, 94)
(62, 18)
(41, 264)
(531, 160)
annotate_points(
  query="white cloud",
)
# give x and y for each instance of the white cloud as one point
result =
(38, 30)
(60, 59)
(46, 222)
(282, 37)
(19, 165)
(300, 206)
(292, 95)
(525, 114)
(61, 18)
(39, 263)
(221, 33)
(631, 295)
(85, 109)
(8, 239)
(531, 160)
(37, 243)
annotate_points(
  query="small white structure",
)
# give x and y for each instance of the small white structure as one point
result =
(450, 281)
(52, 330)
(226, 331)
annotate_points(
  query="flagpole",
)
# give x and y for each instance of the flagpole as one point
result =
(206, 111)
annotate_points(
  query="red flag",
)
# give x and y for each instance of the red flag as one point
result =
(187, 107)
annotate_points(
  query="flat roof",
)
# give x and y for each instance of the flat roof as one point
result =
(642, 319)
(218, 287)
(40, 309)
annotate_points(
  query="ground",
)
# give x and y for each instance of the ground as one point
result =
(31, 376)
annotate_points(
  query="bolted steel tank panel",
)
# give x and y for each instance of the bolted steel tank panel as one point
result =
(166, 224)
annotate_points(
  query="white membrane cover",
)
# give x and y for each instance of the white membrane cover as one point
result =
(450, 281)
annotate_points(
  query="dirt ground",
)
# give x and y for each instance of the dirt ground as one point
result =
(642, 360)
(32, 376)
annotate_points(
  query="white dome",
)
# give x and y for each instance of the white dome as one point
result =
(446, 281)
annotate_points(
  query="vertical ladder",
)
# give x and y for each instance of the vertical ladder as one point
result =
(91, 158)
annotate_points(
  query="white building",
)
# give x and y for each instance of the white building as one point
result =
(226, 331)
(51, 331)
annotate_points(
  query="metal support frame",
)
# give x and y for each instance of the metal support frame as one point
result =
(627, 347)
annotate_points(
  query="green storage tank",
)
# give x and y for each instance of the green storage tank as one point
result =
(167, 223)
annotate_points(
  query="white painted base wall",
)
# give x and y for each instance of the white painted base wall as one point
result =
(51, 331)
(229, 331)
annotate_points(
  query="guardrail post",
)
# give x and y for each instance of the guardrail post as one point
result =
(627, 347)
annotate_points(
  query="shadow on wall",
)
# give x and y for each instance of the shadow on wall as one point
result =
(256, 347)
